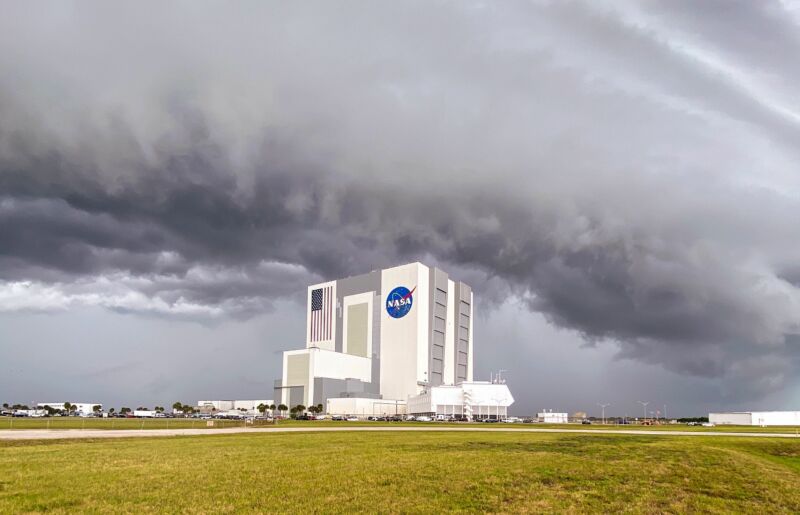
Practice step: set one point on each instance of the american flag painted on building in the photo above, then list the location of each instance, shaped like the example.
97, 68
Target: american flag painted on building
321, 314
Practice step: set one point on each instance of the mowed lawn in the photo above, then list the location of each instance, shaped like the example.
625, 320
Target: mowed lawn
401, 472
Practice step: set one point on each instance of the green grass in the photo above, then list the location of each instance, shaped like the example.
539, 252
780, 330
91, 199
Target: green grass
114, 423
426, 472
176, 423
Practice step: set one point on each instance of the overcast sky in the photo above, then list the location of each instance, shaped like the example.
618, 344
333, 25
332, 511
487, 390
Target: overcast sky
618, 181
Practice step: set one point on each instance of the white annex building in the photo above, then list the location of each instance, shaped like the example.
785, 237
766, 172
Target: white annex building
756, 418
375, 340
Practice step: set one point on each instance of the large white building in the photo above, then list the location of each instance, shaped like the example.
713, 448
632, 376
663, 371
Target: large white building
467, 400
756, 418
380, 338
83, 408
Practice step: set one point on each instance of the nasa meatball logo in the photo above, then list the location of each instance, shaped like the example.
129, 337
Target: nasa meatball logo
399, 301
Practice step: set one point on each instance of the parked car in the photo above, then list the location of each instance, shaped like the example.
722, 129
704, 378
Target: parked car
586, 422
338, 417
424, 418
352, 418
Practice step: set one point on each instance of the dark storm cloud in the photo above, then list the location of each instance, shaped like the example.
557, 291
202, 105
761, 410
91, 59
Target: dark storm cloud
626, 182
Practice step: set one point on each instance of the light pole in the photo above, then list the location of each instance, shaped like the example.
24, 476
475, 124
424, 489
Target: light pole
500, 374
666, 421
603, 406
644, 408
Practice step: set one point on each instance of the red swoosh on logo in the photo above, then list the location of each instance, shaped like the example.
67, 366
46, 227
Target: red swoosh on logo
407, 295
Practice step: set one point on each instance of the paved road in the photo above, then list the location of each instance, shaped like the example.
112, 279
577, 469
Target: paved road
53, 434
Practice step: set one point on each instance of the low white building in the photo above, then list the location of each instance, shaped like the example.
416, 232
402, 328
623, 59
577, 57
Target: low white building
548, 417
229, 405
756, 418
466, 400
83, 408
364, 407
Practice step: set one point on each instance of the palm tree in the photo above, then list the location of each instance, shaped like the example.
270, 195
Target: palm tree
282, 408
111, 411
68, 407
320, 408
178, 406
96, 408
261, 408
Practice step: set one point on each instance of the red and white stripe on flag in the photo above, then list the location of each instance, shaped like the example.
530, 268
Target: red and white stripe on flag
321, 314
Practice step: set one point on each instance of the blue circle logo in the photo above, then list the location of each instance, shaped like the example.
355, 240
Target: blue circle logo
399, 301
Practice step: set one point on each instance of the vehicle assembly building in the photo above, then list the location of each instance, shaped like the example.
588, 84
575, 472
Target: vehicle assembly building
375, 340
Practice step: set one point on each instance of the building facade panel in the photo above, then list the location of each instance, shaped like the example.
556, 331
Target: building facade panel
404, 354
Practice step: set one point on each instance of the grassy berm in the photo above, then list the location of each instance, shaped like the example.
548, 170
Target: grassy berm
402, 472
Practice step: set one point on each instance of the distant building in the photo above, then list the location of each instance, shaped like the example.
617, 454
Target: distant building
364, 407
229, 405
756, 418
548, 417
82, 408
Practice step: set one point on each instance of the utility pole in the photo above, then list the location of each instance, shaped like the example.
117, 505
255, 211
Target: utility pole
644, 408
603, 406
666, 421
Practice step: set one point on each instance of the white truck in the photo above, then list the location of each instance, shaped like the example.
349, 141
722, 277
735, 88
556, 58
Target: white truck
140, 413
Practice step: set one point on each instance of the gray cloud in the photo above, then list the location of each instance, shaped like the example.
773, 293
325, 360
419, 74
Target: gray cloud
627, 173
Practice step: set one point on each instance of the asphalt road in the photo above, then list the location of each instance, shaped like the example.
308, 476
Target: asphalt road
55, 434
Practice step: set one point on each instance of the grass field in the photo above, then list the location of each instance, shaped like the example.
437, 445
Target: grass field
402, 472
176, 423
